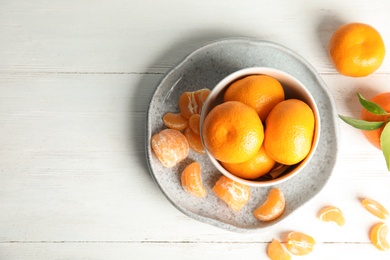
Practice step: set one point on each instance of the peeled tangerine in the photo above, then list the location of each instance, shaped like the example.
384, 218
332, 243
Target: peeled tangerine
273, 207
378, 236
375, 208
175, 121
331, 213
299, 243
191, 180
194, 123
194, 140
276, 251
235, 194
289, 132
170, 147
191, 102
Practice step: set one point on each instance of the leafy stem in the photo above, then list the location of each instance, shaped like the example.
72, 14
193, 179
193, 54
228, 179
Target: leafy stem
362, 124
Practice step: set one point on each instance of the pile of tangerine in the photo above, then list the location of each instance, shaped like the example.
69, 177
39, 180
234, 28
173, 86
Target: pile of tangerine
256, 128
251, 132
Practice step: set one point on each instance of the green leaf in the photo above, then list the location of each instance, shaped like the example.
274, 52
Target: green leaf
385, 144
361, 124
371, 106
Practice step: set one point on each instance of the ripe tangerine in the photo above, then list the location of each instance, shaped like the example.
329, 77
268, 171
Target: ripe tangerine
356, 49
261, 92
373, 136
232, 132
257, 166
289, 132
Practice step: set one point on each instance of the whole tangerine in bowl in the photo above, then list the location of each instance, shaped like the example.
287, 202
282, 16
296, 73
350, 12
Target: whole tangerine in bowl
228, 137
260, 148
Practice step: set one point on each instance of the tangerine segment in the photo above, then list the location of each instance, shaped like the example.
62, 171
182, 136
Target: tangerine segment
194, 141
273, 207
232, 132
276, 251
378, 236
235, 194
175, 121
194, 123
191, 102
373, 136
332, 213
170, 147
299, 243
191, 180
255, 167
289, 132
260, 92
375, 208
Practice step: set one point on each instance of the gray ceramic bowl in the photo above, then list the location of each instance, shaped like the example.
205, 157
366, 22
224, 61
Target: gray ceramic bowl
293, 88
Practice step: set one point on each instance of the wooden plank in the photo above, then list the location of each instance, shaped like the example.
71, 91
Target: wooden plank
145, 36
168, 251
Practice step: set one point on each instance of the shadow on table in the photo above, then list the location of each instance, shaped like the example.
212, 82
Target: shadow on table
327, 25
150, 79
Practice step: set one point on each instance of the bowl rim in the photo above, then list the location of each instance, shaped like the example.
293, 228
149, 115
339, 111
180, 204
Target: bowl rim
260, 70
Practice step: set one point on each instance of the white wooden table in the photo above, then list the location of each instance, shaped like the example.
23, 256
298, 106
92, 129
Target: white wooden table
76, 78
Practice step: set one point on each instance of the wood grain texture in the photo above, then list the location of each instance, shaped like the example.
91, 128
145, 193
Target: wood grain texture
167, 251
76, 78
144, 36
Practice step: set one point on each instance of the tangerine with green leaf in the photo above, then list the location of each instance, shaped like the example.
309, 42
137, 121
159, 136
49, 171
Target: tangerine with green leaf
373, 122
374, 136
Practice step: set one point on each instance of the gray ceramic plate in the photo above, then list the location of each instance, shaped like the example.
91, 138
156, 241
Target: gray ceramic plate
204, 68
